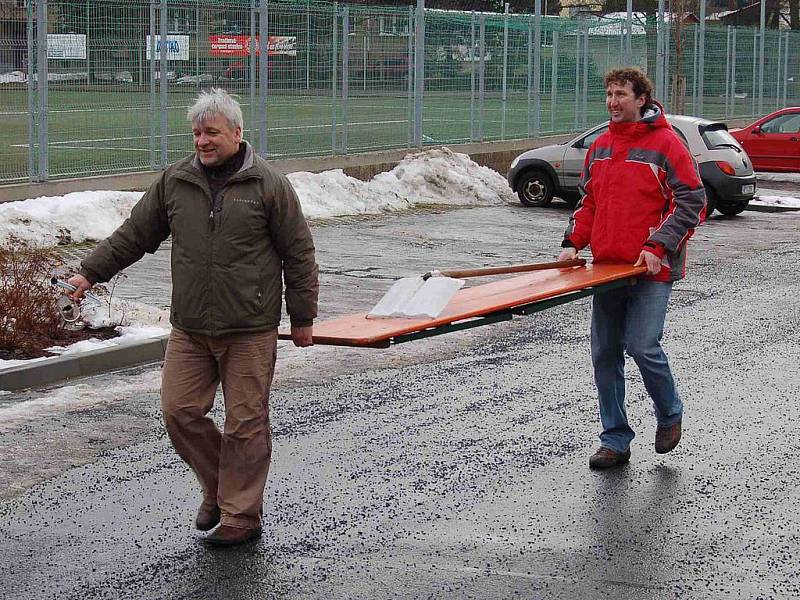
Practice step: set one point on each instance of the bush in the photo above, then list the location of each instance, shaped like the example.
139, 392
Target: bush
28, 320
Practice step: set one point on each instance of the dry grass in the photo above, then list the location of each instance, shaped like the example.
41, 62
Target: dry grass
28, 321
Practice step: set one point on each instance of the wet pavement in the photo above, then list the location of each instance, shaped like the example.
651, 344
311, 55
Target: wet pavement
453, 467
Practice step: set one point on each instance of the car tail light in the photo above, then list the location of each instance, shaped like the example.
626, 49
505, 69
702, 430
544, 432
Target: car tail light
726, 167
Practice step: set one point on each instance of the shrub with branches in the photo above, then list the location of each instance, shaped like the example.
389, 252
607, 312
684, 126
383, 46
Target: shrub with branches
27, 299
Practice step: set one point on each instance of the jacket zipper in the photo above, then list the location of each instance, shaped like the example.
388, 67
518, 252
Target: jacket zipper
212, 228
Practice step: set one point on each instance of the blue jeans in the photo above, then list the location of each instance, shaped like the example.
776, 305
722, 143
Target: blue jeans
631, 319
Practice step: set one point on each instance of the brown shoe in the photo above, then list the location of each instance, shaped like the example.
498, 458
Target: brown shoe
668, 437
207, 517
225, 535
605, 458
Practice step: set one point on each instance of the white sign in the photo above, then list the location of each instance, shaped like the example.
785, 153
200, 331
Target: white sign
71, 46
177, 47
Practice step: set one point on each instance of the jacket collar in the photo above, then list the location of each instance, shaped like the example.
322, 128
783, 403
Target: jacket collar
654, 118
190, 169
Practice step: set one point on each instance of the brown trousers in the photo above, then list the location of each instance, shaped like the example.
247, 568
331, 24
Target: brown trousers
231, 466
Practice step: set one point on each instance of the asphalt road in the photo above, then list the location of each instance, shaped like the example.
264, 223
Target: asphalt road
454, 467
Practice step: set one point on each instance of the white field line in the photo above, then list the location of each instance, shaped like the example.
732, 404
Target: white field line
66, 143
115, 148
324, 105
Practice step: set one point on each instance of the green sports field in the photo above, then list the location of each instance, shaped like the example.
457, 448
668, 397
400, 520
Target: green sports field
92, 132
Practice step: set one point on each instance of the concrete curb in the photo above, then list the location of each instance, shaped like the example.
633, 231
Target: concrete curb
63, 368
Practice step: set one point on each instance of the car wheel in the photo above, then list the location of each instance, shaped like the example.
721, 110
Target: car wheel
535, 188
732, 209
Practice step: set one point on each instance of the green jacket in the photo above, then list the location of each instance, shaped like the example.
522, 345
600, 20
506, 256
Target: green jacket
226, 266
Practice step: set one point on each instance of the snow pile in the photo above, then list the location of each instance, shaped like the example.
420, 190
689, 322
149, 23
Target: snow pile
790, 177
74, 218
138, 322
442, 176
437, 176
127, 335
124, 312
775, 198
333, 194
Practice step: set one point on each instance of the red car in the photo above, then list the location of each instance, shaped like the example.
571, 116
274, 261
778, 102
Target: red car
773, 142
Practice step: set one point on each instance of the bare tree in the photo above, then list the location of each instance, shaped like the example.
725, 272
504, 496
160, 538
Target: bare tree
678, 12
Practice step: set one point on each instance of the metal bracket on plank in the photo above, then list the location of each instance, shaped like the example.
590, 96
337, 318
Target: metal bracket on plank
507, 314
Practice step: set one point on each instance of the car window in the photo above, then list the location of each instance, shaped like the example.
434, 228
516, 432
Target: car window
716, 136
589, 139
789, 123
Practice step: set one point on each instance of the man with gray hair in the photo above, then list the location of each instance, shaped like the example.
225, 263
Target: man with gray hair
238, 233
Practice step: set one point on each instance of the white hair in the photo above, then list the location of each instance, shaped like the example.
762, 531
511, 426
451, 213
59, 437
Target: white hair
216, 102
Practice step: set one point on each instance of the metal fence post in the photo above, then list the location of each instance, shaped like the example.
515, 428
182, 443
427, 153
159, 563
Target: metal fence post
252, 50
530, 75
665, 72
578, 42
701, 61
152, 44
727, 71
88, 47
41, 74
755, 68
660, 51
31, 43
505, 75
584, 108
345, 73
163, 66
694, 72
197, 46
554, 81
786, 77
733, 71
778, 91
263, 75
308, 44
482, 77
628, 32
419, 71
472, 79
409, 75
334, 76
537, 69
762, 24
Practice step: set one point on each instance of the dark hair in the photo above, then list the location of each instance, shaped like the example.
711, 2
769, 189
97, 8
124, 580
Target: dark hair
642, 86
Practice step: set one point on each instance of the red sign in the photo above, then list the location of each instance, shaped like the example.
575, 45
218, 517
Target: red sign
239, 45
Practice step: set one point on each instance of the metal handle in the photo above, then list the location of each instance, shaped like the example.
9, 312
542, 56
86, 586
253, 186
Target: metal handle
559, 264
68, 286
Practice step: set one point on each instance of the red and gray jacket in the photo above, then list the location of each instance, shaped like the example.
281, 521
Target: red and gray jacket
640, 190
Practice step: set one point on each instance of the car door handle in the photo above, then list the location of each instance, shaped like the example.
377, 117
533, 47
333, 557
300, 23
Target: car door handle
794, 140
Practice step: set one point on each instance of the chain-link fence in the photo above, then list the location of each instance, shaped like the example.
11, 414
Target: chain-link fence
88, 87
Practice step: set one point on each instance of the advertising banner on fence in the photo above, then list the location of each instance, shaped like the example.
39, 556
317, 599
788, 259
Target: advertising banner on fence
70, 46
177, 47
239, 45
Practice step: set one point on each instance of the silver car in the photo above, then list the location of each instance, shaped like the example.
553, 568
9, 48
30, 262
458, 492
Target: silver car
725, 169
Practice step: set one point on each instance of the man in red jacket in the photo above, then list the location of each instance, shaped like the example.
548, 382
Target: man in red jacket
641, 198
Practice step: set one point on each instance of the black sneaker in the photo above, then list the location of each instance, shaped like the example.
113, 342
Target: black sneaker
605, 458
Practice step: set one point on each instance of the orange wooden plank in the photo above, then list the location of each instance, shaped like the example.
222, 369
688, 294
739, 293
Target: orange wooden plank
481, 300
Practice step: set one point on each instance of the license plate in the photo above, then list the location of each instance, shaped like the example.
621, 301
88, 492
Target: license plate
750, 188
